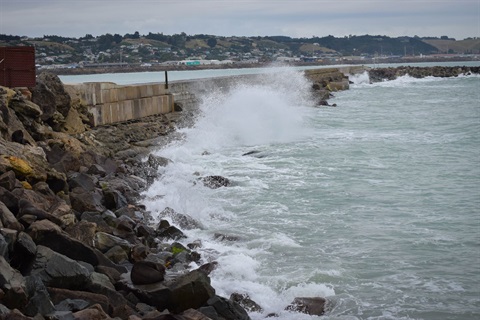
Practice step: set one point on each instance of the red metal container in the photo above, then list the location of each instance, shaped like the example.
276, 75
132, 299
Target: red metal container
17, 66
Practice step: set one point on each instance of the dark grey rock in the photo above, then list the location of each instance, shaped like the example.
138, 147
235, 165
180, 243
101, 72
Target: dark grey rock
228, 309
147, 272
13, 285
215, 182
311, 306
191, 290
39, 300
59, 271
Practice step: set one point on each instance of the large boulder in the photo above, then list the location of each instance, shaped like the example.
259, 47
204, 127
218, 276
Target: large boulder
50, 95
215, 182
191, 290
24, 251
47, 234
59, 271
311, 306
182, 220
147, 272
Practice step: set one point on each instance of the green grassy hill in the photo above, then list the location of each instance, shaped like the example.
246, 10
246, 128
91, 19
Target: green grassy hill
452, 46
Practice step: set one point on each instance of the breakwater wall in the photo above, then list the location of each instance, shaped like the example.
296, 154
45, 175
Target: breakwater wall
188, 92
108, 102
111, 103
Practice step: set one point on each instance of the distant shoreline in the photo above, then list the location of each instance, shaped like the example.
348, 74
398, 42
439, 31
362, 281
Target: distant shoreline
156, 68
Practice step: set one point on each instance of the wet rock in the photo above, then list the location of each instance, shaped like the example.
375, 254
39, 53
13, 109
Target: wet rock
215, 182
226, 237
311, 306
228, 309
156, 161
147, 272
246, 303
207, 268
191, 290
255, 153
171, 232
182, 220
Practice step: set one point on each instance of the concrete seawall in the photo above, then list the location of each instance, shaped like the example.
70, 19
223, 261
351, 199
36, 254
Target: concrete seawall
110, 103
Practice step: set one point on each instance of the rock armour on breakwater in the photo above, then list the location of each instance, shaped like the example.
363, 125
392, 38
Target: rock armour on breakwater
383, 74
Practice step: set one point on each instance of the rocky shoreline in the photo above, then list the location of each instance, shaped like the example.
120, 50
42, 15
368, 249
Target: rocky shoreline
75, 240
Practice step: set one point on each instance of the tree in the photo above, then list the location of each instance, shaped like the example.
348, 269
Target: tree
117, 38
212, 42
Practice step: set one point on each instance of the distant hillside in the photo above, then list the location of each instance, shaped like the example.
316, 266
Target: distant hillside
158, 48
451, 46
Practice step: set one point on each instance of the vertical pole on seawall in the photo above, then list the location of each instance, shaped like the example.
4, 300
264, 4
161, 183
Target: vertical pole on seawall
166, 79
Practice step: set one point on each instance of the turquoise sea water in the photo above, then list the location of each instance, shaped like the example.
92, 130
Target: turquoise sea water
374, 204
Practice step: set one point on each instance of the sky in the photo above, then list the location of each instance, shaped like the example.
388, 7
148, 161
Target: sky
457, 19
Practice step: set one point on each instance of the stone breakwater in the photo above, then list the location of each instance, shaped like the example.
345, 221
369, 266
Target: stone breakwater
383, 74
75, 240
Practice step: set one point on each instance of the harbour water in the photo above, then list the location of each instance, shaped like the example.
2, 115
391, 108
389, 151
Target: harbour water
374, 204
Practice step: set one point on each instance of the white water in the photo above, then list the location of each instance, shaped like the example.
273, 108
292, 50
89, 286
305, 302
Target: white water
373, 204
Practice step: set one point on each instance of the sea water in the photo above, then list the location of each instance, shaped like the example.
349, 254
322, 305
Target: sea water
373, 204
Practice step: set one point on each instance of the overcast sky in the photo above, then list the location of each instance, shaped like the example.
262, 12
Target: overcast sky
296, 18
